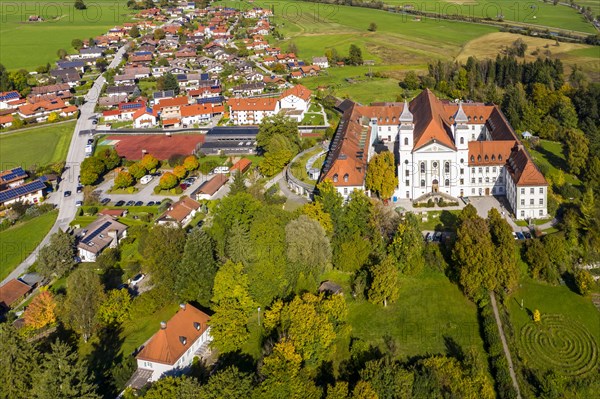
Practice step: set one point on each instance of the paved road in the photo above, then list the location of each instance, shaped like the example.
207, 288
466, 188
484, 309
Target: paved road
66, 205
511, 368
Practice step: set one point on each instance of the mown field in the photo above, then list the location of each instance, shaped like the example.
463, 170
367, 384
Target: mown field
37, 146
527, 12
17, 242
27, 45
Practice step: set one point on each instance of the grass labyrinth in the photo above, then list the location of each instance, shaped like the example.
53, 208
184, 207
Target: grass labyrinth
563, 344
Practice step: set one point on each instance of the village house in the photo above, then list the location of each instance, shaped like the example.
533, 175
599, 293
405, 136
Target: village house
210, 187
321, 62
180, 213
104, 232
172, 349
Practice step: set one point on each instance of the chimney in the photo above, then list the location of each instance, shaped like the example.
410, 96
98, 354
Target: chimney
163, 325
182, 306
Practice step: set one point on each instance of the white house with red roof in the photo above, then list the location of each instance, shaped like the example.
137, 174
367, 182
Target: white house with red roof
144, 118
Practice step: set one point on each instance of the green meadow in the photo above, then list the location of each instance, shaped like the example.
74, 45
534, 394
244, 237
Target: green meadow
526, 12
27, 45
37, 146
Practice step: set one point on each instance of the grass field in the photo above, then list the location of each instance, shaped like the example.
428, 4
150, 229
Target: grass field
527, 12
39, 146
27, 45
17, 242
568, 336
549, 155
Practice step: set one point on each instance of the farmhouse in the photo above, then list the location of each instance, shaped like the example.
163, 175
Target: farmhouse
104, 232
173, 348
442, 149
11, 293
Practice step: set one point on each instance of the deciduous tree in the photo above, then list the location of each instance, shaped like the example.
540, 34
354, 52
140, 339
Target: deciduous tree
407, 245
507, 273
229, 383
41, 311
381, 175
58, 257
137, 170
168, 180
384, 282
84, 296
149, 162
123, 179
114, 310
191, 163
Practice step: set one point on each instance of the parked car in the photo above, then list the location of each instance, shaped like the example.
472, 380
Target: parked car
139, 203
146, 179
520, 235
90, 141
105, 201
220, 169
515, 235
78, 203
120, 203
130, 203
427, 236
67, 194
136, 280
183, 186
150, 203
123, 286
437, 237
527, 234
79, 188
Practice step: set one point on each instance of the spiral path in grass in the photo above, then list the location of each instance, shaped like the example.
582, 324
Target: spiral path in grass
561, 344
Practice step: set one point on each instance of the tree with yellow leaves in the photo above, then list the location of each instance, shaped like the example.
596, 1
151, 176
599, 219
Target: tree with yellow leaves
537, 317
41, 311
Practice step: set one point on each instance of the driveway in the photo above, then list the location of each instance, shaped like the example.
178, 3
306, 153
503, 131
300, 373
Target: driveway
484, 204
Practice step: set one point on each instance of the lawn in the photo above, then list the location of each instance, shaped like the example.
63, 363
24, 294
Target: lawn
429, 310
550, 158
38, 146
568, 335
313, 119
27, 45
19, 241
136, 332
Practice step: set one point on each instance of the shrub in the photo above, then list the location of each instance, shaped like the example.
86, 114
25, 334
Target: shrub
430, 203
92, 210
157, 189
584, 281
131, 190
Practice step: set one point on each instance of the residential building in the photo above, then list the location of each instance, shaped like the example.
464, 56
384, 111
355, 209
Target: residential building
322, 62
104, 232
210, 187
180, 213
173, 348
31, 192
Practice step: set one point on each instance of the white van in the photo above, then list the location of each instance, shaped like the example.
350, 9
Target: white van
221, 170
146, 179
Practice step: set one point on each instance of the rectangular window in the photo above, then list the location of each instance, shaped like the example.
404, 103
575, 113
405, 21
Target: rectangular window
407, 194
500, 189
494, 169
532, 190
541, 201
472, 191
522, 191
541, 212
480, 170
522, 213
481, 180
522, 202
531, 202
472, 170
472, 180
462, 182
407, 172
487, 169
541, 190
407, 183
345, 190
462, 171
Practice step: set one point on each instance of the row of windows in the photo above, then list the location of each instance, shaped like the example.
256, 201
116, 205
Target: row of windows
487, 170
532, 190
487, 180
541, 213
335, 178
486, 158
532, 201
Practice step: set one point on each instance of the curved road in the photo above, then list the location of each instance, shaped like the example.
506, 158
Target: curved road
66, 205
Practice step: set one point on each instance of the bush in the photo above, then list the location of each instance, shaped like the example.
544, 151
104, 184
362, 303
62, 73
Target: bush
131, 190
584, 281
157, 189
92, 210
430, 203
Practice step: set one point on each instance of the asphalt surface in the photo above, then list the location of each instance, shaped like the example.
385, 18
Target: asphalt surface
66, 205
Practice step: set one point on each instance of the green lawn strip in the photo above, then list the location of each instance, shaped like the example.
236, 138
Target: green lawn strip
549, 156
39, 146
19, 241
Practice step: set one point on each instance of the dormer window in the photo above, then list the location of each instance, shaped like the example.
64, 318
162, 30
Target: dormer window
346, 178
486, 158
493, 157
183, 340
335, 178
499, 157
197, 326
472, 158
478, 158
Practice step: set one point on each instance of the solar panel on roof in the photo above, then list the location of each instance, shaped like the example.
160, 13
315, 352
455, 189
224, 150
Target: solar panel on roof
93, 234
14, 174
131, 106
19, 191
10, 96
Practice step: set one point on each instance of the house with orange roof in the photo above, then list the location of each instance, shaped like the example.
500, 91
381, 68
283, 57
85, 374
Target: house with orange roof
144, 118
251, 111
180, 213
443, 149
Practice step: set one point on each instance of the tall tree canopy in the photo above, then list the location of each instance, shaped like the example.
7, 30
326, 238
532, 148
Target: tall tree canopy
381, 175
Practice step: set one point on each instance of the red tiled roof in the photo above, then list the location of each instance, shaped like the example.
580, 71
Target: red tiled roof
253, 104
12, 291
430, 125
522, 169
299, 91
495, 152
181, 209
241, 165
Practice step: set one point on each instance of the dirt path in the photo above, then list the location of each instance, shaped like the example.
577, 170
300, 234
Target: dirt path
511, 368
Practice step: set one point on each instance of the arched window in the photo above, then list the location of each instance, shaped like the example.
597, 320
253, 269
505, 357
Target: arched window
447, 167
435, 165
422, 167
422, 183
486, 158
346, 178
335, 178
406, 141
447, 182
493, 157
462, 160
499, 157
462, 140
479, 158
472, 158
